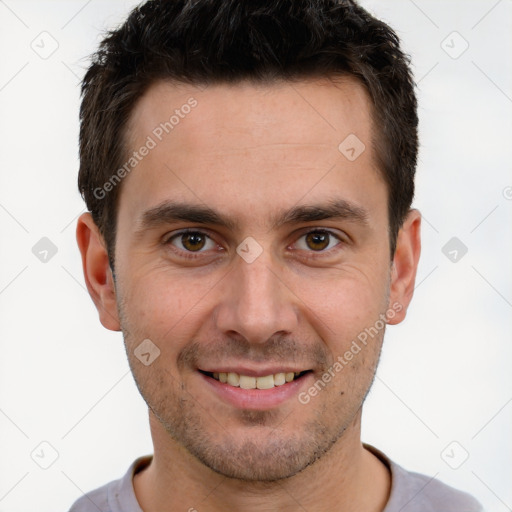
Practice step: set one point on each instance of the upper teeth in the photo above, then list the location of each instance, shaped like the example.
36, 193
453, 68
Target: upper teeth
247, 382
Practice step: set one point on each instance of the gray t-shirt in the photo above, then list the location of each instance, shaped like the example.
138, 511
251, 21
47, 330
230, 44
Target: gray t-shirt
410, 492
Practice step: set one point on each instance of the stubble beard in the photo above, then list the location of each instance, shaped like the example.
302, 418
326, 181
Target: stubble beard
265, 452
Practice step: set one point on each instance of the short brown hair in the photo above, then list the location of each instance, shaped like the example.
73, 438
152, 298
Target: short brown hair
226, 41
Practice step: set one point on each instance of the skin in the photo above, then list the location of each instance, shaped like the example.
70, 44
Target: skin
251, 152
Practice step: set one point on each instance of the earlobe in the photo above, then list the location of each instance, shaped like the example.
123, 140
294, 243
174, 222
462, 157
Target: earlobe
405, 265
97, 272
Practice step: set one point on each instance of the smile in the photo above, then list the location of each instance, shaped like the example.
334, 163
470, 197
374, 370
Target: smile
250, 382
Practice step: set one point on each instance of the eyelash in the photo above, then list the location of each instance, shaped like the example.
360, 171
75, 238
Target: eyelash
194, 255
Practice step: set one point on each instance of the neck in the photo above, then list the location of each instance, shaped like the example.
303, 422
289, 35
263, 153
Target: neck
348, 478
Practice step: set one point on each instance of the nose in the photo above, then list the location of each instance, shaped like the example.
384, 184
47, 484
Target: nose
255, 302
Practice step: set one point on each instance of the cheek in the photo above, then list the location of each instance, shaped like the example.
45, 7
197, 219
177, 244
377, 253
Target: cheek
345, 304
160, 301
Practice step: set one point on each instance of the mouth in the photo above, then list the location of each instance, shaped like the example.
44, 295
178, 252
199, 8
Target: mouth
242, 381
259, 390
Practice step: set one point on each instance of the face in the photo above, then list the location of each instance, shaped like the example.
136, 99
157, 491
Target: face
251, 248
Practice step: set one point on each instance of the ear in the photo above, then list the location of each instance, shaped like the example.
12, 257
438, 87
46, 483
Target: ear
97, 271
405, 265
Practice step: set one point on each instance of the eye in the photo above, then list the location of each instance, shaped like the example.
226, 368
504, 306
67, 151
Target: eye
191, 241
318, 240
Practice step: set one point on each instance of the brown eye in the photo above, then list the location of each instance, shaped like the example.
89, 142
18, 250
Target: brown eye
191, 241
317, 240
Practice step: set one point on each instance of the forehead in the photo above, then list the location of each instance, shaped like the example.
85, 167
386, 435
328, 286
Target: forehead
254, 143
322, 110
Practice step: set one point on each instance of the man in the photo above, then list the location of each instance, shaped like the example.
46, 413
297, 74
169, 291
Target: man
249, 171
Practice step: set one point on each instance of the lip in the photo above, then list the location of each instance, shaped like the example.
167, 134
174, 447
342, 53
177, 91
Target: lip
253, 372
256, 399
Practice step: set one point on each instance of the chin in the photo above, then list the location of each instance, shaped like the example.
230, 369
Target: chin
251, 462
259, 454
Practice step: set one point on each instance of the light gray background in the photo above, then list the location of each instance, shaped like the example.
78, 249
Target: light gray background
445, 373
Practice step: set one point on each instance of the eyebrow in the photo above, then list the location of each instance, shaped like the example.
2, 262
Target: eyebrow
170, 212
